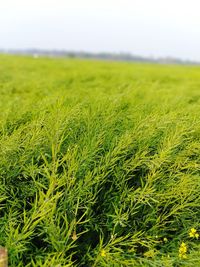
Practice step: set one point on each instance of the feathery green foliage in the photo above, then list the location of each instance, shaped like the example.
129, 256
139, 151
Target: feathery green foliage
99, 163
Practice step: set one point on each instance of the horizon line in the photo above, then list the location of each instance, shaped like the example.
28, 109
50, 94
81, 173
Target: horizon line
126, 56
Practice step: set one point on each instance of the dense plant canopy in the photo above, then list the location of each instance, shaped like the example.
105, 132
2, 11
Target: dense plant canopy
99, 163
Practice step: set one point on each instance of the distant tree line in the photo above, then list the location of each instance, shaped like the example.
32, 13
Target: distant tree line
102, 55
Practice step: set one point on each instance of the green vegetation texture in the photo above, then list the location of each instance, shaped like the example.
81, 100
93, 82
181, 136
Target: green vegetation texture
99, 163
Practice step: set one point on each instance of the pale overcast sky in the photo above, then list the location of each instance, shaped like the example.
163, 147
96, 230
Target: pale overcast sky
142, 27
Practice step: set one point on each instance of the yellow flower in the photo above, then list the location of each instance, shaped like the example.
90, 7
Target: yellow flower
165, 239
197, 235
103, 253
193, 233
183, 250
182, 256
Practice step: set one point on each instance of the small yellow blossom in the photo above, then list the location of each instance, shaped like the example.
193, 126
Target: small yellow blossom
182, 256
183, 250
193, 233
197, 235
103, 253
165, 239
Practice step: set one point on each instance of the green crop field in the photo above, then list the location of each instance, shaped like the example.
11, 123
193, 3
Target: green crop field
99, 163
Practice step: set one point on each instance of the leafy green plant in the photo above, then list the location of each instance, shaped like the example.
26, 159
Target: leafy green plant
99, 163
